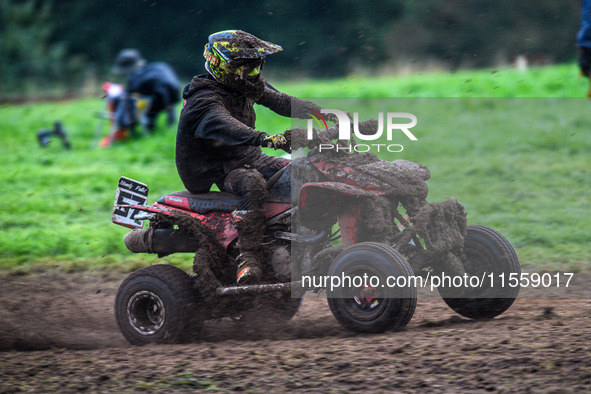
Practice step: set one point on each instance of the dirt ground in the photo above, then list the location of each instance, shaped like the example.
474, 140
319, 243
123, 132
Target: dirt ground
58, 333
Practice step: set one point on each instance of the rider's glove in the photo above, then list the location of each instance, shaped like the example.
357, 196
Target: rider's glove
585, 60
331, 118
276, 141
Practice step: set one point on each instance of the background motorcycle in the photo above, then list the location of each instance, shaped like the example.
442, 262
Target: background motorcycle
114, 94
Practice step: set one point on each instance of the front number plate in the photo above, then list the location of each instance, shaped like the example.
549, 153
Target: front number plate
129, 192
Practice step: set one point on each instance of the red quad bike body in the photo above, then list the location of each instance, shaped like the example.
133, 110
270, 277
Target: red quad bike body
329, 215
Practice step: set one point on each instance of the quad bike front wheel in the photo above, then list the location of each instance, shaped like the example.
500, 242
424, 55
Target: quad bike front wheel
489, 256
371, 301
157, 304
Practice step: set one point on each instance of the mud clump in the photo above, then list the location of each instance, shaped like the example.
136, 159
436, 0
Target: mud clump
206, 262
376, 221
442, 225
379, 192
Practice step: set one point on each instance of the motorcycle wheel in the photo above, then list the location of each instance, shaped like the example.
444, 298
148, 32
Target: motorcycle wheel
157, 304
372, 306
490, 256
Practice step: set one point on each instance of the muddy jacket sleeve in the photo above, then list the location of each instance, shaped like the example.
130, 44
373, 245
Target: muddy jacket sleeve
286, 105
218, 124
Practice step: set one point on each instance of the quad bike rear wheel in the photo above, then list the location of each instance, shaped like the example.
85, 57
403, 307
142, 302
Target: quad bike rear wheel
157, 304
488, 255
372, 305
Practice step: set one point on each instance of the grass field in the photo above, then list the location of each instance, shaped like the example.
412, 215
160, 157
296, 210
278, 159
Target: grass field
520, 165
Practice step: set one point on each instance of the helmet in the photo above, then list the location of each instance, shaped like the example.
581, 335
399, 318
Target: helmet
235, 58
128, 60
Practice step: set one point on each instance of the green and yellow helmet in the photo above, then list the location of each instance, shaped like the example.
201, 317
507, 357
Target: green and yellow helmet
235, 58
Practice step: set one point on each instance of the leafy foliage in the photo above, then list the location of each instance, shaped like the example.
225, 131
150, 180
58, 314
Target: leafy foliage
31, 59
64, 41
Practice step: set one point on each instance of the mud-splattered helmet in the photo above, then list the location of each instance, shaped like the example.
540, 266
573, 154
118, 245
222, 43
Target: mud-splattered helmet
235, 58
128, 60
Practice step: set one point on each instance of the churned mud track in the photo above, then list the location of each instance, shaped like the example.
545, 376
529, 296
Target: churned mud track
58, 333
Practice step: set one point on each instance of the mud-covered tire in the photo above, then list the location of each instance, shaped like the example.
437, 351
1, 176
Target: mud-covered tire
157, 304
372, 307
489, 255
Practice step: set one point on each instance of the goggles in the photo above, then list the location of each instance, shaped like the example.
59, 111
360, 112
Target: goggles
243, 71
242, 67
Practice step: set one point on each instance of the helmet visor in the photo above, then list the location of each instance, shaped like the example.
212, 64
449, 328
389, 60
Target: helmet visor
245, 70
249, 71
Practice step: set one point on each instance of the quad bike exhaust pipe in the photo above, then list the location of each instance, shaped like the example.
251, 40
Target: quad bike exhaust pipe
168, 241
162, 241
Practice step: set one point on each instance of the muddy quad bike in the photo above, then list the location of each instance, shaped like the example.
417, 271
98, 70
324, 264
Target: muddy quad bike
351, 217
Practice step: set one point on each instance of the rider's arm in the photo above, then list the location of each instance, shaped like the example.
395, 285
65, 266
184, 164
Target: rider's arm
218, 124
287, 105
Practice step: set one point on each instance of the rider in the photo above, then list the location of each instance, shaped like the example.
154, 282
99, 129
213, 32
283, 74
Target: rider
584, 40
155, 80
217, 142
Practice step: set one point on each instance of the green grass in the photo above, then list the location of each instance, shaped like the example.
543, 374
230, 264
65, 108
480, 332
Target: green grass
556, 81
519, 166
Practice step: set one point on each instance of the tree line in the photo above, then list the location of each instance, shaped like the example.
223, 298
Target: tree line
46, 43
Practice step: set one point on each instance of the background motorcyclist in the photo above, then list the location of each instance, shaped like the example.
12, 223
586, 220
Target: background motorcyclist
584, 40
156, 80
217, 142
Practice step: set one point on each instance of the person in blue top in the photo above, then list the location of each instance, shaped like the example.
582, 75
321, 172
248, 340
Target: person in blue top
584, 38
155, 80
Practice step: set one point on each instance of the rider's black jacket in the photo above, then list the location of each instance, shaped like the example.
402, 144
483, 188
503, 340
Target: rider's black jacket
216, 130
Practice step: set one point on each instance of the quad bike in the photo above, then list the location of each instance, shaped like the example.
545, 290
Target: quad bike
114, 95
350, 216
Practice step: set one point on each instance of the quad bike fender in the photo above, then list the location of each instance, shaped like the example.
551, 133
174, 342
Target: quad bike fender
312, 192
321, 204
220, 223
343, 173
166, 241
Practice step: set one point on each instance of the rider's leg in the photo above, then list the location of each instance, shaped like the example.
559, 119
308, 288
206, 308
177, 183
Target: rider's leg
250, 221
269, 165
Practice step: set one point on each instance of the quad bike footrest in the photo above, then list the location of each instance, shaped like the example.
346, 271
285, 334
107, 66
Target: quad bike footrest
258, 289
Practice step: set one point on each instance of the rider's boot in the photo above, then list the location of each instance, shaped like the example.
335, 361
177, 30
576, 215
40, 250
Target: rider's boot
251, 229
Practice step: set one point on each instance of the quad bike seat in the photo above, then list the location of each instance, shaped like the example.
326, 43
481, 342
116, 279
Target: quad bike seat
202, 203
279, 187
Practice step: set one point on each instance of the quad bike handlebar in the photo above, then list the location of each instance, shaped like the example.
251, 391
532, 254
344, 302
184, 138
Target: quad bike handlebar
299, 138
